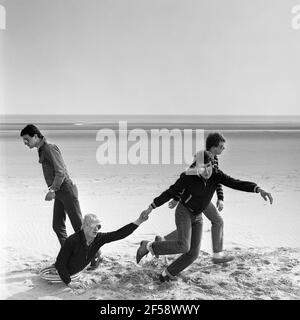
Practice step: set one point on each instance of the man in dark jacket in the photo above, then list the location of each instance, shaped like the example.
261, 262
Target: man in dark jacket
215, 144
198, 184
80, 247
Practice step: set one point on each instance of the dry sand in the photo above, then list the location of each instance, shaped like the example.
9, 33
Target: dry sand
260, 274
264, 239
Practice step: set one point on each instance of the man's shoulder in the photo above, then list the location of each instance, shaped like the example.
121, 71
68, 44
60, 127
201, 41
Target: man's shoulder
190, 176
75, 237
50, 146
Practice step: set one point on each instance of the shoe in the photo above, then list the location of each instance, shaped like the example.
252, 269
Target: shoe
95, 261
222, 259
158, 238
142, 251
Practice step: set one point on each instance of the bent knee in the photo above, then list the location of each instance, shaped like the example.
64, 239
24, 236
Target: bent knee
183, 246
218, 221
193, 255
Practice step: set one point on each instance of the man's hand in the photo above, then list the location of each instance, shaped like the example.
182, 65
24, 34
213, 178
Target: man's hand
144, 216
219, 205
50, 196
173, 204
149, 209
265, 195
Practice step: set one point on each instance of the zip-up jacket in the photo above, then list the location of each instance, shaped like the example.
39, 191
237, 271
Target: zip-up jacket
198, 192
75, 254
219, 189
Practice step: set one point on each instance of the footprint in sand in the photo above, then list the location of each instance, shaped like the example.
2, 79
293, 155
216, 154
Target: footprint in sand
248, 284
237, 248
284, 269
242, 266
238, 273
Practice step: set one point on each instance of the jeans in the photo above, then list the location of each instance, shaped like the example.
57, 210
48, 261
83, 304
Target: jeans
189, 233
217, 226
66, 201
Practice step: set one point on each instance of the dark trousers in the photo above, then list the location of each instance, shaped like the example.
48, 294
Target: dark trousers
189, 234
66, 202
217, 227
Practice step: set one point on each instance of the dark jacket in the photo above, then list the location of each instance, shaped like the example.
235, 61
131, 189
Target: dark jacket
198, 192
54, 168
75, 254
219, 190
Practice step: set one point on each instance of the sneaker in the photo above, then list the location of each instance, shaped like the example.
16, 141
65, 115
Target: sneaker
95, 261
158, 238
142, 251
222, 259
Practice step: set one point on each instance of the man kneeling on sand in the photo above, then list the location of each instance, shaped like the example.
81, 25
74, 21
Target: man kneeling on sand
79, 249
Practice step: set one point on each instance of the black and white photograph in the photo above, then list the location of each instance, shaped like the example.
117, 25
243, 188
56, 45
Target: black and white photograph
150, 150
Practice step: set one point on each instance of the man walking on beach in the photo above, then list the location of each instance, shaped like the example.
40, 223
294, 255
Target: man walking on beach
198, 185
215, 144
61, 187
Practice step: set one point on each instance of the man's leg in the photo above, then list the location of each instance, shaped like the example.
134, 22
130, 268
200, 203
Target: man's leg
189, 257
69, 198
180, 245
171, 236
217, 234
59, 221
216, 227
184, 230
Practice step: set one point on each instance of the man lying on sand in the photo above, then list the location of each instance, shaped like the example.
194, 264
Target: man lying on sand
80, 247
215, 144
199, 184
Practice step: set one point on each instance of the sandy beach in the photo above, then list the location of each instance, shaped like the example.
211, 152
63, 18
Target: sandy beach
264, 239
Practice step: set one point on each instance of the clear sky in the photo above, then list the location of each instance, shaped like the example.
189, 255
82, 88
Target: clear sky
150, 57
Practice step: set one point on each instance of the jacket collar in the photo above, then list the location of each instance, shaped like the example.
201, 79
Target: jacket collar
41, 143
82, 238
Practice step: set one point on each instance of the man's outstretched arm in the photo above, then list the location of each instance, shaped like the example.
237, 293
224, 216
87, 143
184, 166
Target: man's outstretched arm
241, 185
122, 232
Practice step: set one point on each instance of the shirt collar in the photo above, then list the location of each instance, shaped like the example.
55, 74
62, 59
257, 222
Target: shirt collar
41, 143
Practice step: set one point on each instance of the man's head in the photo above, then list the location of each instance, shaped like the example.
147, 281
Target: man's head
91, 225
215, 143
31, 135
203, 164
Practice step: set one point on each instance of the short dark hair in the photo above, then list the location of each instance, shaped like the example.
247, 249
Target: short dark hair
214, 139
31, 130
206, 156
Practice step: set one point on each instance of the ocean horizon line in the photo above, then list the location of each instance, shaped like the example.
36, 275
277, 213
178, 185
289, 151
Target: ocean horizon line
206, 122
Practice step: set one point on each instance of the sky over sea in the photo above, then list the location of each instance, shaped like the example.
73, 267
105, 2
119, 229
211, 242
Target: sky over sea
191, 57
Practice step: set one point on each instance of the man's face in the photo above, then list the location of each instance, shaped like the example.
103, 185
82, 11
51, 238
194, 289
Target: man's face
29, 141
205, 170
92, 229
220, 148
